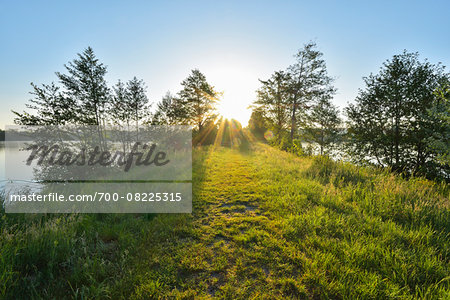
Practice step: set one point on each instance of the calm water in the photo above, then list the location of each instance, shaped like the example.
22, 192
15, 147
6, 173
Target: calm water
2, 162
19, 173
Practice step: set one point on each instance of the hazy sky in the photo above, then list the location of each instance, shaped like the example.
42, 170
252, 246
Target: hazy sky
232, 42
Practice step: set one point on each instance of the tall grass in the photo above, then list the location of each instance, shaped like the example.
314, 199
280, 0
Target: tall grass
65, 256
365, 232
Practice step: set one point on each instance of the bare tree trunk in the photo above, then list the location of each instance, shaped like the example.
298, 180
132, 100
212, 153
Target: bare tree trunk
321, 142
293, 120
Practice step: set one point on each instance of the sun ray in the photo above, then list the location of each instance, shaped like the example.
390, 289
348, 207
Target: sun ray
218, 140
198, 140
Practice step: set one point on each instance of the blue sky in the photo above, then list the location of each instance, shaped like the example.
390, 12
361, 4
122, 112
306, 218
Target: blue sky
232, 42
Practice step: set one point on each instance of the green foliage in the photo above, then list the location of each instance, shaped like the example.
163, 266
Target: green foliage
50, 105
257, 124
309, 81
129, 103
85, 85
169, 111
294, 146
137, 101
198, 99
439, 137
283, 99
231, 133
119, 109
194, 105
272, 102
83, 97
284, 143
389, 125
297, 148
323, 126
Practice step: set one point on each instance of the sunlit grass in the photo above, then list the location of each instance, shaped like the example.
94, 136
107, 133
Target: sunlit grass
265, 224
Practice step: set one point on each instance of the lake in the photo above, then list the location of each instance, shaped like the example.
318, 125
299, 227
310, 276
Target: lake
2, 162
20, 173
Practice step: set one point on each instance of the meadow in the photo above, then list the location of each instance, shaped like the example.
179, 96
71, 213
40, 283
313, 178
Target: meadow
265, 224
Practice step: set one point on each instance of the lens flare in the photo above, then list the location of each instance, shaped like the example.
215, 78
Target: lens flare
268, 135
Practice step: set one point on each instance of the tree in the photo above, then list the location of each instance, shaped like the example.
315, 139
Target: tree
83, 97
257, 123
439, 137
85, 85
50, 106
169, 111
323, 124
119, 113
119, 105
198, 99
137, 102
308, 80
287, 95
272, 101
389, 124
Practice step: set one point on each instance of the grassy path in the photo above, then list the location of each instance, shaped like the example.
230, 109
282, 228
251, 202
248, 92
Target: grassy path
232, 247
268, 225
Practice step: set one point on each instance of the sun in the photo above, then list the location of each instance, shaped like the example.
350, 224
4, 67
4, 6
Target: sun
226, 110
232, 109
237, 94
237, 80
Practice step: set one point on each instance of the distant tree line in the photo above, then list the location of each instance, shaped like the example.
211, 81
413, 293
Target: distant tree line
82, 96
400, 120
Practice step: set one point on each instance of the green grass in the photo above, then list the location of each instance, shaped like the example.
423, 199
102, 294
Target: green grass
265, 224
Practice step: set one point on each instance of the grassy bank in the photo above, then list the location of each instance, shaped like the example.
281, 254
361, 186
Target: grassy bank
265, 224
